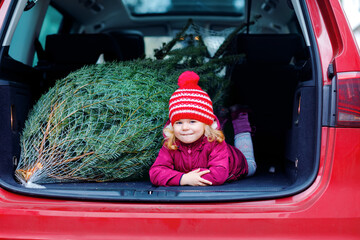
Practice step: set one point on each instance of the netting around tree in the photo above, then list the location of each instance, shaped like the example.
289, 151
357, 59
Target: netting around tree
212, 39
86, 127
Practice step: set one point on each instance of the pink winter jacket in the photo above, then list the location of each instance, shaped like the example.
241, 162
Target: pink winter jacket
225, 162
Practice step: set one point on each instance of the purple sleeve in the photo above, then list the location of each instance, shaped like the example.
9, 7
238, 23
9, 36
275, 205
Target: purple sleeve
162, 172
218, 164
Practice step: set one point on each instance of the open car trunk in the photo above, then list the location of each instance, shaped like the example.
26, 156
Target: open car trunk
278, 81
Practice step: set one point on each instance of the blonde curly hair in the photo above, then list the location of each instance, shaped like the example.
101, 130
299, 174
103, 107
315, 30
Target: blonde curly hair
211, 132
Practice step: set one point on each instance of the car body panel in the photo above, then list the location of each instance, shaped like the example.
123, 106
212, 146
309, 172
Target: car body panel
337, 46
328, 209
325, 209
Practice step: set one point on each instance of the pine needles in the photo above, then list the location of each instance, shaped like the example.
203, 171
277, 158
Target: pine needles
95, 124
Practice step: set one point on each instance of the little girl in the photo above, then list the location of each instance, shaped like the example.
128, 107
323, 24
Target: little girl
194, 152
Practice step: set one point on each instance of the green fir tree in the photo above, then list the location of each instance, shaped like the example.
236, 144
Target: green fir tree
104, 122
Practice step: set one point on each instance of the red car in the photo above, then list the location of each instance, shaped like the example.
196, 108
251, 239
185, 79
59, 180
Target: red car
300, 76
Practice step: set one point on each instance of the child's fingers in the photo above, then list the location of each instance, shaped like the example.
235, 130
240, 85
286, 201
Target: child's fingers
204, 172
206, 182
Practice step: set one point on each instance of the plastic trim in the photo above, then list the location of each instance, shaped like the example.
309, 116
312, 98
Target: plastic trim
13, 22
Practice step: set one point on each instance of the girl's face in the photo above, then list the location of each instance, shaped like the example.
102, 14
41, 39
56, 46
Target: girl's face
188, 130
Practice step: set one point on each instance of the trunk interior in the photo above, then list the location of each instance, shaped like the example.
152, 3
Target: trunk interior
277, 81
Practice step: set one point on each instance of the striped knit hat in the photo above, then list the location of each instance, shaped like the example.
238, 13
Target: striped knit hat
190, 101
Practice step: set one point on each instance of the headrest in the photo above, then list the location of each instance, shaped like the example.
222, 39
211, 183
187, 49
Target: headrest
131, 43
270, 48
81, 48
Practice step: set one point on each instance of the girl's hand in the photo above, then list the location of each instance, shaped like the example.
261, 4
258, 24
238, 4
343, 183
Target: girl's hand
194, 178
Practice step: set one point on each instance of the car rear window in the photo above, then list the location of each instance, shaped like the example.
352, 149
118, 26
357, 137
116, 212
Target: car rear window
189, 7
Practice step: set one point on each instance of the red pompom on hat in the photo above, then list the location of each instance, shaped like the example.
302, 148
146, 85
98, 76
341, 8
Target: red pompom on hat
190, 101
189, 79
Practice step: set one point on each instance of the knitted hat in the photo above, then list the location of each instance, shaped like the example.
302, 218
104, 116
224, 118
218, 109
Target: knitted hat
190, 101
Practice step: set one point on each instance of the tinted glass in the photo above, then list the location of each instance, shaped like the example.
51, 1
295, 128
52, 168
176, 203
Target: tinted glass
185, 7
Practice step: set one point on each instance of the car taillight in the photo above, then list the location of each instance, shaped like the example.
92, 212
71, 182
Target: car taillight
348, 99
4, 5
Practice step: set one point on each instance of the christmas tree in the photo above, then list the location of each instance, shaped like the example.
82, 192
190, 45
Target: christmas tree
104, 122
